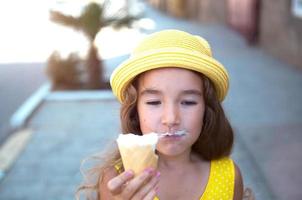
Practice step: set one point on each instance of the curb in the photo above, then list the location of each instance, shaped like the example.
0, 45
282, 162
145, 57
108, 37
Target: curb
16, 142
20, 117
87, 95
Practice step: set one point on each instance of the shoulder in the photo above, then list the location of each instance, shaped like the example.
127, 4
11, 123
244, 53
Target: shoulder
224, 164
238, 189
109, 173
229, 168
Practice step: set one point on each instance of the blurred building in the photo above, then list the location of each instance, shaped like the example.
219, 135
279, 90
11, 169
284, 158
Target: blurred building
275, 25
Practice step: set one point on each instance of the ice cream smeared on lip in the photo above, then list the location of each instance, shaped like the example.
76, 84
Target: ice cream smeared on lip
177, 133
138, 152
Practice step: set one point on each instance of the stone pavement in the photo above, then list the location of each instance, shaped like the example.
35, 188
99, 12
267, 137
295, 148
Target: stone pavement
263, 106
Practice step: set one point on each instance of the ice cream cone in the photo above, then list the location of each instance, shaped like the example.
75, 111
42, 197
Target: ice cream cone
138, 152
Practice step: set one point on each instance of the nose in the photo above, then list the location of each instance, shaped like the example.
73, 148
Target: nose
170, 116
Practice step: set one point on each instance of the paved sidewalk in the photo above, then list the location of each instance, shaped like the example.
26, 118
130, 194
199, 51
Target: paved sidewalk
263, 106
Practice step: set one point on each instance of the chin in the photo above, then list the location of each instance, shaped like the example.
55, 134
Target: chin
169, 151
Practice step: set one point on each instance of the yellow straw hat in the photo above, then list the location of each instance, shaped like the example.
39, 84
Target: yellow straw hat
170, 48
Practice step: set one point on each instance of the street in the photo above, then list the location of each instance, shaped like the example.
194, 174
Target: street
17, 83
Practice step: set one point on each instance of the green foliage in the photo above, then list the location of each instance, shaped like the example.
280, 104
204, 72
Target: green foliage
91, 20
66, 20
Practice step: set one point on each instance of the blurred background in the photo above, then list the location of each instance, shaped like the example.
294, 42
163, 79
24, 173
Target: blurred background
56, 106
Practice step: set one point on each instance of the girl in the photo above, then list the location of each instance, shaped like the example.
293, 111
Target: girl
172, 83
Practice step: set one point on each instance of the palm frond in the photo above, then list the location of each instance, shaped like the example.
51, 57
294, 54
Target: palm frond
90, 20
66, 20
118, 22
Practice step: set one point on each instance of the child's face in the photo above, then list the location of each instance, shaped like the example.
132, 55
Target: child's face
169, 100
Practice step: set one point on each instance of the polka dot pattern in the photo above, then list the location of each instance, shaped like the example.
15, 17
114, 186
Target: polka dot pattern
221, 181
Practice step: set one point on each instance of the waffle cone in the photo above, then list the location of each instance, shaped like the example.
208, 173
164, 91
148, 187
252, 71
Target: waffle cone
138, 157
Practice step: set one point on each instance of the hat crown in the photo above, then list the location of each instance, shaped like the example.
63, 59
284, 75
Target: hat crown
170, 48
173, 39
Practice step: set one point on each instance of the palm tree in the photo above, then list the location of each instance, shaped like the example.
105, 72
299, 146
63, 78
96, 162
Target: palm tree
90, 22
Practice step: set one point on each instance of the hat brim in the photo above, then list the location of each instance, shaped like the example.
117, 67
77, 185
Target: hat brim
171, 57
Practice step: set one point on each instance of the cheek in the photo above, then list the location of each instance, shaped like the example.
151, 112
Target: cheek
146, 123
145, 119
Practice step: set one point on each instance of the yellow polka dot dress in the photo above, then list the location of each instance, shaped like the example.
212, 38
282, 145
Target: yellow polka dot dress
221, 181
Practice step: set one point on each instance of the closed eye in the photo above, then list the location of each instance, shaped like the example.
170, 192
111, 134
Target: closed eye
188, 103
154, 103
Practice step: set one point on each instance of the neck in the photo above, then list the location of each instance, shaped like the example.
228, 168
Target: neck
175, 162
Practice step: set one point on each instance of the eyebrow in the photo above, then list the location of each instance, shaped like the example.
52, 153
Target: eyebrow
184, 92
192, 92
150, 91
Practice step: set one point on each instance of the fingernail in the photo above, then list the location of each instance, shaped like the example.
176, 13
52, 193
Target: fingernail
149, 170
129, 174
157, 175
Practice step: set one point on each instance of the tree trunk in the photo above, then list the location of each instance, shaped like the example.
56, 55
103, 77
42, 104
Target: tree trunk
95, 69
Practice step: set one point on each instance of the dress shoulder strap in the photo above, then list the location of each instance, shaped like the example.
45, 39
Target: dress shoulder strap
118, 165
221, 180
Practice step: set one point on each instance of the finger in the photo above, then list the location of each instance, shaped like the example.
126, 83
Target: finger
151, 195
115, 184
137, 183
147, 188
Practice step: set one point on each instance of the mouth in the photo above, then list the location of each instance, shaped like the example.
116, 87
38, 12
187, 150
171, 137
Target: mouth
174, 134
